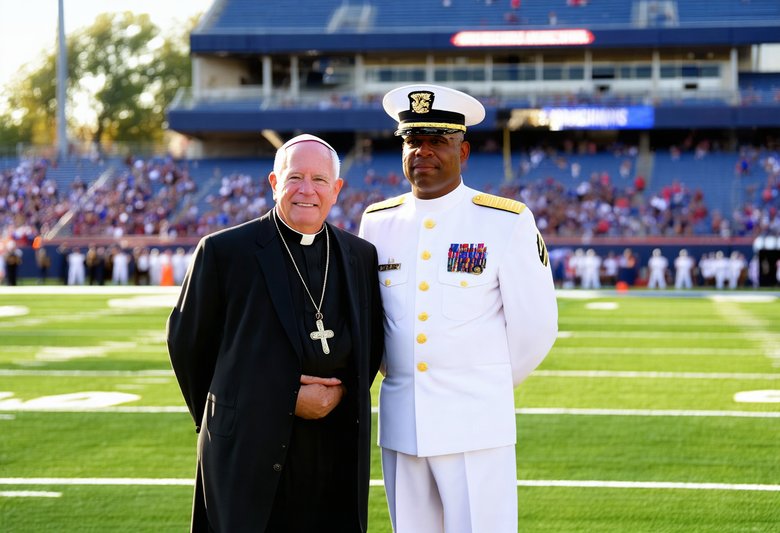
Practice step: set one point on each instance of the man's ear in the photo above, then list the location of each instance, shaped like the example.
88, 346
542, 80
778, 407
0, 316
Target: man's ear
465, 150
272, 181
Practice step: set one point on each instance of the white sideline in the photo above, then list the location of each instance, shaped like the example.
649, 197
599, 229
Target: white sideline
627, 374
644, 412
29, 494
523, 411
379, 483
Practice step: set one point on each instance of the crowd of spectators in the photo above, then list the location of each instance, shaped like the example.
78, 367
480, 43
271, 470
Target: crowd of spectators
141, 199
160, 198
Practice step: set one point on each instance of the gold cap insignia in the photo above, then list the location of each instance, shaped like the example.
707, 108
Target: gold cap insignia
421, 102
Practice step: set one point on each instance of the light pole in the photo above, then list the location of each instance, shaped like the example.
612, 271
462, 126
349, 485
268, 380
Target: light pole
62, 80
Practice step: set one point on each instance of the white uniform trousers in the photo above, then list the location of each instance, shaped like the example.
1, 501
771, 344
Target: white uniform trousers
471, 492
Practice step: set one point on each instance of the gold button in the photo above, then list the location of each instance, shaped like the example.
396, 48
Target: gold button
464, 283
430, 224
424, 286
426, 255
422, 367
423, 316
387, 283
421, 338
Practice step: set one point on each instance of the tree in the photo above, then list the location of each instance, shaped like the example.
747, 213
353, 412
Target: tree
121, 77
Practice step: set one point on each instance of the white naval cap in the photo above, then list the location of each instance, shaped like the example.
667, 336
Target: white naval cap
426, 109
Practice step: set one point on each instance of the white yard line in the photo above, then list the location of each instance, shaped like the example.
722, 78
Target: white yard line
522, 411
651, 375
645, 412
607, 350
29, 494
538, 373
637, 412
103, 481
54, 290
167, 482
87, 373
626, 374
758, 335
645, 485
150, 409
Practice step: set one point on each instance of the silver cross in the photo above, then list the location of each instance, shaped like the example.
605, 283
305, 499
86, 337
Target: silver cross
322, 335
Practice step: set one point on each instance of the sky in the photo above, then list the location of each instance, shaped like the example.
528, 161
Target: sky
28, 28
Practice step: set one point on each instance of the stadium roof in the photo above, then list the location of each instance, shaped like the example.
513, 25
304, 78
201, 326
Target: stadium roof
270, 26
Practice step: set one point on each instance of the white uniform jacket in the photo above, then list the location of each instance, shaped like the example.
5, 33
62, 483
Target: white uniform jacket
461, 332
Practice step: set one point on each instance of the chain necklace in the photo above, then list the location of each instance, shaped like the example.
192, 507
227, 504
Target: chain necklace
321, 334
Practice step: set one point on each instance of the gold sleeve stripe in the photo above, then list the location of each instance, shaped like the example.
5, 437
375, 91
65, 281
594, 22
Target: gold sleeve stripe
497, 202
386, 204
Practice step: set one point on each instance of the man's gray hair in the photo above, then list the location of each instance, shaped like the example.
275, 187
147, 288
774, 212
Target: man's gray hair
281, 153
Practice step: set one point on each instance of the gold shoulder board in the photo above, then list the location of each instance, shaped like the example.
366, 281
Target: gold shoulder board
386, 204
497, 202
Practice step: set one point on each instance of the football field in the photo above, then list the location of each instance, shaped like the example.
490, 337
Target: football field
654, 412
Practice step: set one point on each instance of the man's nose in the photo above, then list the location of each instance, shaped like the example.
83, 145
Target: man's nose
306, 185
424, 148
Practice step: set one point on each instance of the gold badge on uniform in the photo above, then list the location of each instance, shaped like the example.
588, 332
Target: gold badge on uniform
390, 265
467, 257
542, 250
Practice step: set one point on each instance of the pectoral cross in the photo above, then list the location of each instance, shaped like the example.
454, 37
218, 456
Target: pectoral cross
322, 335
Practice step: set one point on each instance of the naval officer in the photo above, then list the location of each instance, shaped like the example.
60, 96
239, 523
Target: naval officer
469, 312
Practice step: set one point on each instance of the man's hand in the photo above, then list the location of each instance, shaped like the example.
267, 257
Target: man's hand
318, 396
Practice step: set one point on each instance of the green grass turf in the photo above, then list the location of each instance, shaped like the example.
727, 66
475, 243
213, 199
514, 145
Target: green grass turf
60, 344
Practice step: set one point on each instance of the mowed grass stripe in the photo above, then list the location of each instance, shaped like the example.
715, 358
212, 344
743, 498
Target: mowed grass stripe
536, 374
645, 351
380, 483
700, 336
650, 375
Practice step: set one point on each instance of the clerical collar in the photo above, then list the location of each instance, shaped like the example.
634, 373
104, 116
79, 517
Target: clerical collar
307, 239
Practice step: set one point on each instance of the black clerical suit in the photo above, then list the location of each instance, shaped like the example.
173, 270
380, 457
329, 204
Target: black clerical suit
236, 342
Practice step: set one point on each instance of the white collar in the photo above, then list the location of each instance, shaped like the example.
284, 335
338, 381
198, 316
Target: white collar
441, 203
306, 238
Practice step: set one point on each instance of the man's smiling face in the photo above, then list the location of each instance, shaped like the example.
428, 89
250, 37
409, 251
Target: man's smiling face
306, 188
432, 163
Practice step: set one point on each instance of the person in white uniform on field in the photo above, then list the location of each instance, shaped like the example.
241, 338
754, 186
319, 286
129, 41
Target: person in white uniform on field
120, 273
736, 265
683, 267
610, 268
470, 311
591, 270
720, 266
76, 268
657, 266
180, 264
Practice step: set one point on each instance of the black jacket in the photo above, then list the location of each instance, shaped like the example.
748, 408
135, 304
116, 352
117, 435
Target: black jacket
235, 349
